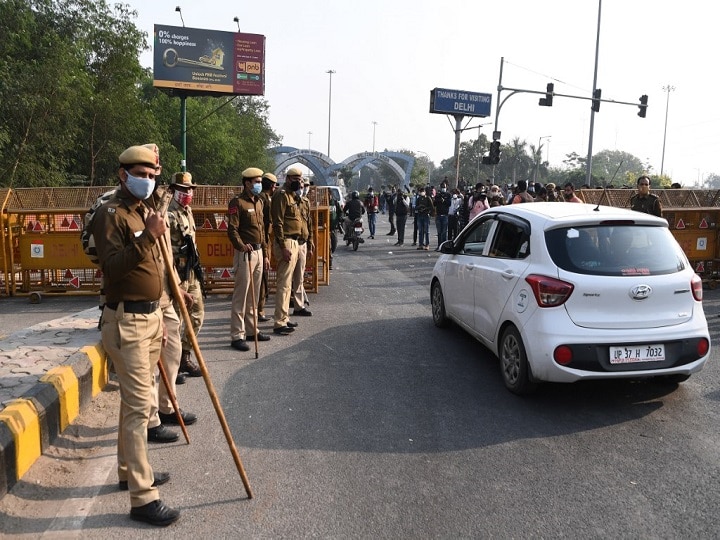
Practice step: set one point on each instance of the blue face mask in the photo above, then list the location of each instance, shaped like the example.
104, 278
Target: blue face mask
140, 188
256, 188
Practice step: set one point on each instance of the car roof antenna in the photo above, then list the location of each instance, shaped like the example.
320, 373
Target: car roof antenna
597, 208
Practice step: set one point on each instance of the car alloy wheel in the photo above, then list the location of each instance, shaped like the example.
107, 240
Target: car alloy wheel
438, 306
514, 364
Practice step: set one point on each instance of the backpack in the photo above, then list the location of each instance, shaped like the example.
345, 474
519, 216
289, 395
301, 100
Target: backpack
86, 236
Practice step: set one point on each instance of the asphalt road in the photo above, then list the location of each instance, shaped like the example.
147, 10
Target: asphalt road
368, 422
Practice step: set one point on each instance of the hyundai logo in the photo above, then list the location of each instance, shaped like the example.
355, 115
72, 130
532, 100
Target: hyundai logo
640, 292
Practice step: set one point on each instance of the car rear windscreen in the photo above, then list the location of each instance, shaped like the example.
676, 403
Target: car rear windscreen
615, 250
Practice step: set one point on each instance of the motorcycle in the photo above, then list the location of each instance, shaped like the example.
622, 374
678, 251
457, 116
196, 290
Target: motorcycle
353, 234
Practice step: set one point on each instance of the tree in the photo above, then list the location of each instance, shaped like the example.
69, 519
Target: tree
73, 95
42, 85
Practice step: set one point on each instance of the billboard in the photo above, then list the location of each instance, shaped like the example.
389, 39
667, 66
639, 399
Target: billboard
460, 102
209, 61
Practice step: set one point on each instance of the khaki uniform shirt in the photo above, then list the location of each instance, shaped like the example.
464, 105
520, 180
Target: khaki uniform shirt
285, 215
306, 234
181, 222
245, 221
266, 198
650, 204
130, 258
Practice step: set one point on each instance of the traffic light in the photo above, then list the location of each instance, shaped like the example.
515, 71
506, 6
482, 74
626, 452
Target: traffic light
547, 100
494, 152
643, 106
596, 100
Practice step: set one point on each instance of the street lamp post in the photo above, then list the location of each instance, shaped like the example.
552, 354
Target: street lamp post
537, 167
237, 20
177, 8
667, 89
329, 72
374, 123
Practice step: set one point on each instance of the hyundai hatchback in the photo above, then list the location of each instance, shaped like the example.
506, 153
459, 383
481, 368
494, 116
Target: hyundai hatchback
562, 292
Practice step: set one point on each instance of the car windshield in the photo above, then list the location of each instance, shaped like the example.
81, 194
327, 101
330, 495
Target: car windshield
615, 250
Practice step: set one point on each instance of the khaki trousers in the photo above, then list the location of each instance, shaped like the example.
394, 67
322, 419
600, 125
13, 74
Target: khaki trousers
298, 278
170, 357
283, 281
197, 311
133, 343
242, 314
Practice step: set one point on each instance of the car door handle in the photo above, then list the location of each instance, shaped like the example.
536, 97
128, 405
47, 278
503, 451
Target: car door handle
508, 274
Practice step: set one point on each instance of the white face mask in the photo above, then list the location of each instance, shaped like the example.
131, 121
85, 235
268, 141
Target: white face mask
140, 188
305, 191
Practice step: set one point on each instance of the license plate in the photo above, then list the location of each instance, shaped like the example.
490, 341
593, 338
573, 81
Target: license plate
358, 230
637, 353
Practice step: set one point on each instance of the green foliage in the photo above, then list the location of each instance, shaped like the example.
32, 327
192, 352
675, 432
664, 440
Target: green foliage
73, 95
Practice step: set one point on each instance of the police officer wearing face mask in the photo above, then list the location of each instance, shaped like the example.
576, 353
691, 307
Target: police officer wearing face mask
127, 233
286, 218
186, 258
246, 231
269, 184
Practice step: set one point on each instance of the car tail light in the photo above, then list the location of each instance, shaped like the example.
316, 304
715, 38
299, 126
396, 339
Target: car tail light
563, 355
703, 347
697, 290
549, 292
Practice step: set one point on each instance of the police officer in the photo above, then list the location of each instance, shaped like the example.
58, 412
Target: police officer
246, 231
643, 200
305, 247
185, 256
127, 234
269, 183
286, 220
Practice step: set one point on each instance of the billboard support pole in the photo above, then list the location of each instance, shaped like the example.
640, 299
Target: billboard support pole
183, 131
458, 131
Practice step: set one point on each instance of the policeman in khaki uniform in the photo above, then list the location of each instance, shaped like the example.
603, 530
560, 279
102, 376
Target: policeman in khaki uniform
185, 256
246, 231
269, 183
305, 247
286, 217
643, 200
126, 234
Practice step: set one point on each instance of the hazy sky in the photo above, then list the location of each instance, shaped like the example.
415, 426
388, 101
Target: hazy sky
389, 54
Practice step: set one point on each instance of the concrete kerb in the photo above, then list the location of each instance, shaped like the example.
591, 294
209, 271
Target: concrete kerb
31, 422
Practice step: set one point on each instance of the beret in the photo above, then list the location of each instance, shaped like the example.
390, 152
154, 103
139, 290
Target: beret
183, 179
294, 171
270, 176
251, 172
136, 155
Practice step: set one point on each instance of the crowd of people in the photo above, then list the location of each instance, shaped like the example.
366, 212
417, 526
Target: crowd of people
453, 209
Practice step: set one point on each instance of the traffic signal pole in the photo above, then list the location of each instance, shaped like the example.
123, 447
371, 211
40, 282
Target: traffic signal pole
596, 104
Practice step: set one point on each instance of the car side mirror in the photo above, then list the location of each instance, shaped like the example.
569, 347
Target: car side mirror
447, 247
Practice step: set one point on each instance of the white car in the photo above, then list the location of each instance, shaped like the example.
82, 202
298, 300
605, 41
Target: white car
565, 291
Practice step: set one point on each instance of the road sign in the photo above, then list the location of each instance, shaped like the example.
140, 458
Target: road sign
445, 101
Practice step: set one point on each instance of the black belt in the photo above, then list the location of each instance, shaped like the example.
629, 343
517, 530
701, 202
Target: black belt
301, 242
292, 237
256, 247
135, 307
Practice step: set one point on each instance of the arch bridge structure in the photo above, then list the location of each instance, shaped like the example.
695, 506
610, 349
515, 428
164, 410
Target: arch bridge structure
326, 171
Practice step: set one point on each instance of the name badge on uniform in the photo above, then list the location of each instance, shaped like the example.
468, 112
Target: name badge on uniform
251, 210
137, 234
